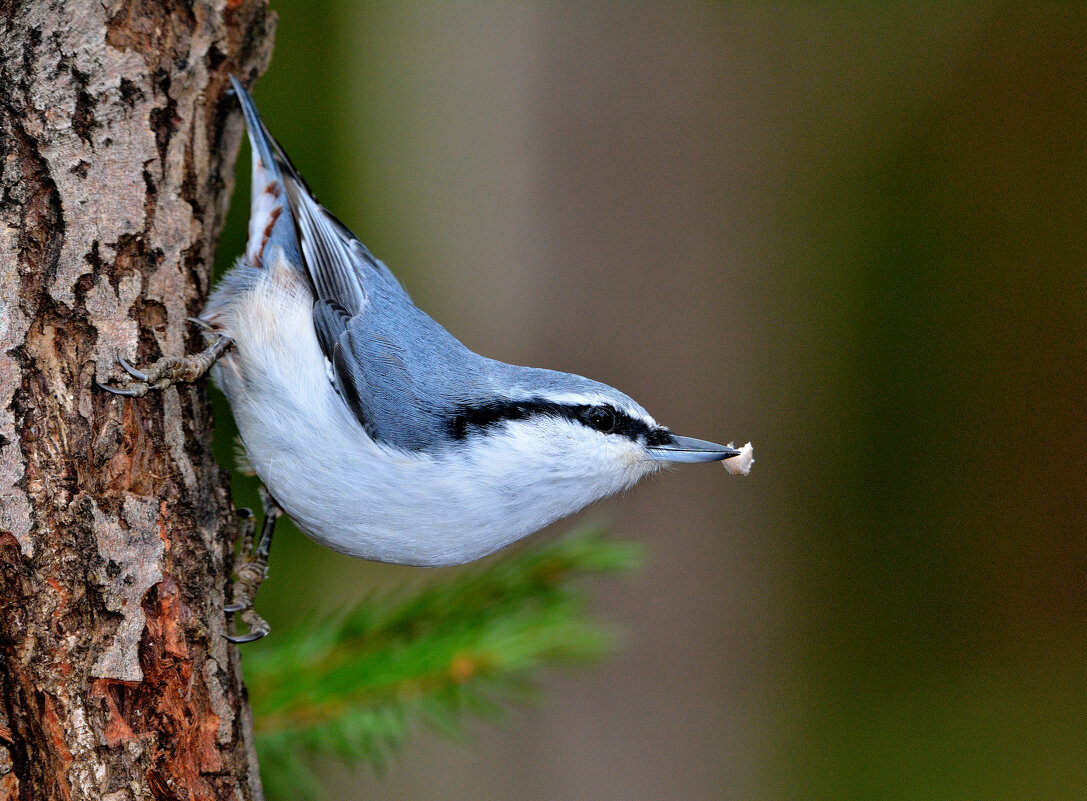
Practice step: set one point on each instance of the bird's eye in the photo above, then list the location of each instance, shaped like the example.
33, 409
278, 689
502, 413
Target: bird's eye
601, 418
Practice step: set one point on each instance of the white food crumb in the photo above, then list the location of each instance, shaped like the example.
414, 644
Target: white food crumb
740, 465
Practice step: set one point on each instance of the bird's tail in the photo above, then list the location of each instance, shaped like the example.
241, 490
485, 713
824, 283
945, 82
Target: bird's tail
259, 137
275, 185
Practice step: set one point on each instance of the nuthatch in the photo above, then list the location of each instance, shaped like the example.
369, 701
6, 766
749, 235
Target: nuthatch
379, 433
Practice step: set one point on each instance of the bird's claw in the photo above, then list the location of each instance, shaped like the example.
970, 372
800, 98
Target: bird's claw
168, 370
139, 375
258, 627
250, 576
124, 392
162, 374
253, 569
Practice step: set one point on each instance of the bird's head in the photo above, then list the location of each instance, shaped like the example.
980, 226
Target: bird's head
568, 437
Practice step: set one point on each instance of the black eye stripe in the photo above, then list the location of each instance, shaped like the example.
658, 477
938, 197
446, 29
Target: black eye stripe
602, 418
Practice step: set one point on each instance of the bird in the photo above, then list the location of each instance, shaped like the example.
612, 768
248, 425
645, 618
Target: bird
373, 428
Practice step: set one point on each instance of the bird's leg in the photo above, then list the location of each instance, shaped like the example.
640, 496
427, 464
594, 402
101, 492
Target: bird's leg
253, 570
169, 370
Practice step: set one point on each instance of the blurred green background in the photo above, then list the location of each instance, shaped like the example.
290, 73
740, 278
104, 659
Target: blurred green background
855, 235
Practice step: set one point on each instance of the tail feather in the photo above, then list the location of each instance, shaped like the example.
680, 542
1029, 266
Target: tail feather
259, 137
271, 217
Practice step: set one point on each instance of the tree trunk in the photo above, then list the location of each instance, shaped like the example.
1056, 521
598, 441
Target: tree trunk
117, 142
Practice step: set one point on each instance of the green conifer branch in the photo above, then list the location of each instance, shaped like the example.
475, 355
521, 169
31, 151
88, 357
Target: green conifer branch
353, 687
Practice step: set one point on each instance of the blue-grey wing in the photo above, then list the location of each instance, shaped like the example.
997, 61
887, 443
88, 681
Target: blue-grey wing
341, 268
399, 372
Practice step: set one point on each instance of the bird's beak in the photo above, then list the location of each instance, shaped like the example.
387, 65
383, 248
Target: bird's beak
685, 449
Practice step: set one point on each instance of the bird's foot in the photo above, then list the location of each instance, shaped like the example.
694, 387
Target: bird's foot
169, 370
258, 627
251, 574
253, 570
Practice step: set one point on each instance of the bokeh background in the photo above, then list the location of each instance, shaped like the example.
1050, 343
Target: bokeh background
855, 235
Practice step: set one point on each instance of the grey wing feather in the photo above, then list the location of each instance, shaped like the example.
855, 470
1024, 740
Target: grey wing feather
336, 261
341, 268
330, 320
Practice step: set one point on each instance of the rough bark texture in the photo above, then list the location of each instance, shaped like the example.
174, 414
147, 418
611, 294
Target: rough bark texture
117, 142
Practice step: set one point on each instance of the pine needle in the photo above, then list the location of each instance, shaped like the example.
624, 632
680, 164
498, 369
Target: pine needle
354, 686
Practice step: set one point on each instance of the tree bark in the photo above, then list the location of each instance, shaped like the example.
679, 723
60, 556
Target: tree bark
117, 145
